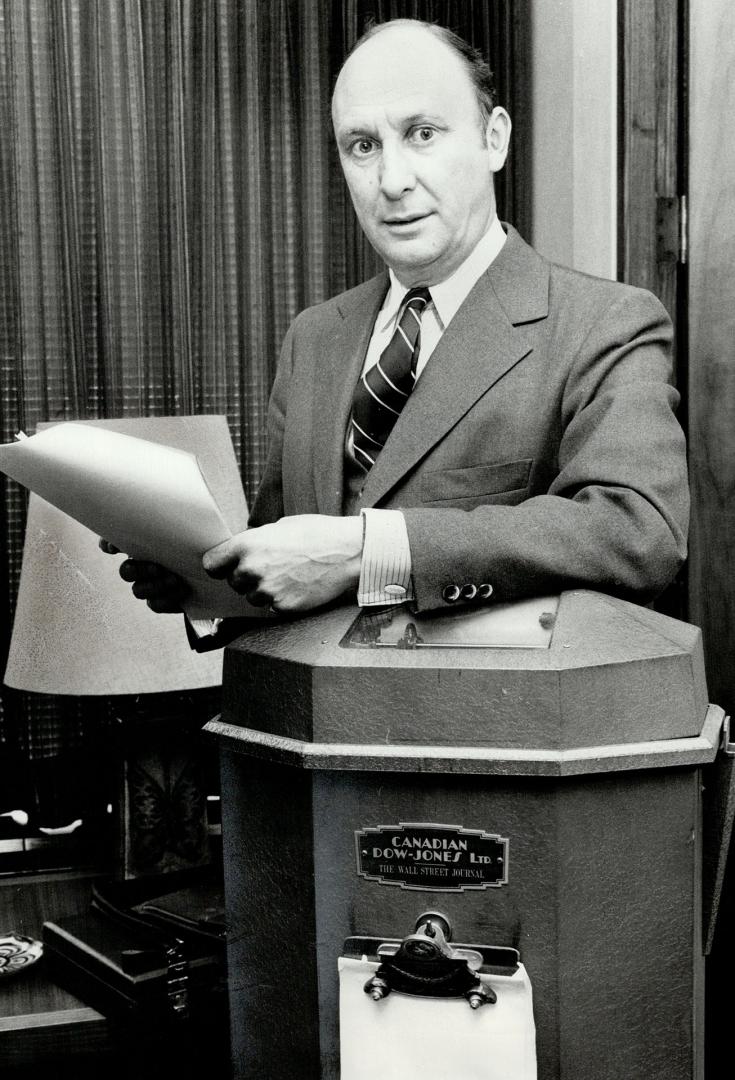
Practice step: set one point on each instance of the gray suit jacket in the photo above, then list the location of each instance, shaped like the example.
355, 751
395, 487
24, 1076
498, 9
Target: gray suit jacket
539, 450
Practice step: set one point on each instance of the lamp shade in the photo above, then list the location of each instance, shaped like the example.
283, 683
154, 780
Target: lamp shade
78, 629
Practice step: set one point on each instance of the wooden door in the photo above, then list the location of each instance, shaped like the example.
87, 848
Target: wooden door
711, 379
712, 340
652, 203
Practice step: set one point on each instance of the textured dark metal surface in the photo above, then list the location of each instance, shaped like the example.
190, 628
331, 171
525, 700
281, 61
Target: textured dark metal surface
603, 896
614, 673
488, 760
601, 901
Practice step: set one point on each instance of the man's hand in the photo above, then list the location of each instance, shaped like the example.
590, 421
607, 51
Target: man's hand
294, 564
162, 590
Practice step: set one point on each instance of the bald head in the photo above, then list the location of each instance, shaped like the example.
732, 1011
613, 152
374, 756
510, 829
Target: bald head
475, 65
397, 60
418, 153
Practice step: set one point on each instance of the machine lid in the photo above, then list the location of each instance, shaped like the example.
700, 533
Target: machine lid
602, 673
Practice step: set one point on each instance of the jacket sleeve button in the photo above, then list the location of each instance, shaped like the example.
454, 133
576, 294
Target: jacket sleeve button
450, 593
469, 591
485, 591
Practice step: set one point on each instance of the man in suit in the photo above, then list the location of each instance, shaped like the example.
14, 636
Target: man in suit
535, 447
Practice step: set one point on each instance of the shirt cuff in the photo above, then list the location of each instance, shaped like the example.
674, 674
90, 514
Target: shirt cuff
204, 627
385, 570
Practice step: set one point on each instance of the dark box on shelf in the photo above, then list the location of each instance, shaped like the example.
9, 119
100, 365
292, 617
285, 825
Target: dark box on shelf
124, 970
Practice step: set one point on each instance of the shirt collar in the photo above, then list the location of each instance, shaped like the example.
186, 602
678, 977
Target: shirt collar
449, 295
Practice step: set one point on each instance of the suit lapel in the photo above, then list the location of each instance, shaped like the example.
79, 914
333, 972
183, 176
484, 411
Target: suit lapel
485, 339
336, 370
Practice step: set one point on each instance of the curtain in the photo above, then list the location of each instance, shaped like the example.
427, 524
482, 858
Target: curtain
170, 198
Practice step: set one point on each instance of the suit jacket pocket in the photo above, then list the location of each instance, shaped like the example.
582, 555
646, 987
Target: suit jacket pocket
505, 483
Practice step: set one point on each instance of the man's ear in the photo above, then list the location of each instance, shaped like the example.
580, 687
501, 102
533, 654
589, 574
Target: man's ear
497, 137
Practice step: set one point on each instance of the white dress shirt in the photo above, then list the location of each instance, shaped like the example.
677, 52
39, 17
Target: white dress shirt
385, 573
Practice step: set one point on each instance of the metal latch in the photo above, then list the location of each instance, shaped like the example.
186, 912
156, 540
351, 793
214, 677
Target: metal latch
177, 979
425, 964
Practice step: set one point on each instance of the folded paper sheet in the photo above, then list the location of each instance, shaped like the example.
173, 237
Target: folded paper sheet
405, 1037
149, 500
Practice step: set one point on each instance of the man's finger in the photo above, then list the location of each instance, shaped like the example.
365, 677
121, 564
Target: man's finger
217, 562
259, 599
135, 570
163, 588
217, 571
164, 607
241, 582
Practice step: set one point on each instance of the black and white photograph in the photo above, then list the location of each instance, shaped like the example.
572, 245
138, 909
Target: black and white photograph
367, 587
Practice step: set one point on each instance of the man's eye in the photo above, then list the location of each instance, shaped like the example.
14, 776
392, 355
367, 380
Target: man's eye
362, 147
424, 134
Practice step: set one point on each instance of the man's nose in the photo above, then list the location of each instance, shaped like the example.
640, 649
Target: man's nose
396, 172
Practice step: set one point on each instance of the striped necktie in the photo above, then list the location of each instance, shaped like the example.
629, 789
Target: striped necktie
383, 390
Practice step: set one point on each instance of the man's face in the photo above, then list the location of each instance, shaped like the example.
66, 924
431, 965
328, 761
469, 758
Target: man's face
414, 153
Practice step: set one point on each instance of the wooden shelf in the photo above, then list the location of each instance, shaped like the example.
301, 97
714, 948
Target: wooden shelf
47, 1033
39, 1021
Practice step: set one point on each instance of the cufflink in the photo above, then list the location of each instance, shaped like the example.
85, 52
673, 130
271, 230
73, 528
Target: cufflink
485, 592
450, 593
394, 590
469, 591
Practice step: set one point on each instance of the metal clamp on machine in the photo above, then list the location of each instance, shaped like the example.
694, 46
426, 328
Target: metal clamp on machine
426, 965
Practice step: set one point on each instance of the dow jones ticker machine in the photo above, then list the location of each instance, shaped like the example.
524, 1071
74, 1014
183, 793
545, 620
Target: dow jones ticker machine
471, 846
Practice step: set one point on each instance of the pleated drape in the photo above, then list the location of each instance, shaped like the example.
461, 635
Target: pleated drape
170, 198
159, 226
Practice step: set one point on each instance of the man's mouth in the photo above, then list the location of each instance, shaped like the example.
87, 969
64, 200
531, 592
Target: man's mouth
404, 219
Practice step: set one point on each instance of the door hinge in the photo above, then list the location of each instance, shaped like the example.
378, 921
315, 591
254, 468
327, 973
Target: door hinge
671, 229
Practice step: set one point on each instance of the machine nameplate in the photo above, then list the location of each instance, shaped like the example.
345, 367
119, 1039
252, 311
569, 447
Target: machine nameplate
437, 858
